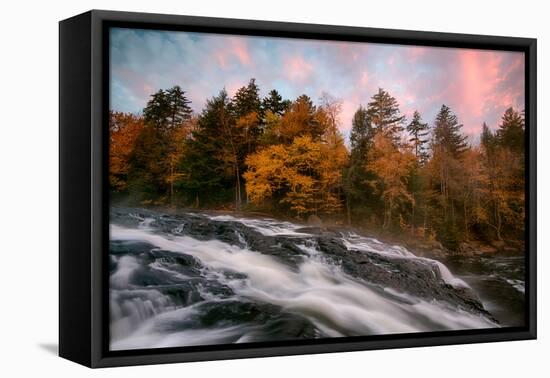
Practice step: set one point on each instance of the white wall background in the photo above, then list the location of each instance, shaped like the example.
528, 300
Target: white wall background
29, 187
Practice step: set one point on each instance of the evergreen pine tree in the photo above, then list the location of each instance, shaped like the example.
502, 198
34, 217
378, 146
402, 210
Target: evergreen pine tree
274, 102
178, 105
247, 100
511, 133
157, 111
356, 176
209, 162
361, 135
447, 133
385, 115
167, 109
419, 137
487, 139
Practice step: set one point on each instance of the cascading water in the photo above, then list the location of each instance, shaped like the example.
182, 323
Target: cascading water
190, 279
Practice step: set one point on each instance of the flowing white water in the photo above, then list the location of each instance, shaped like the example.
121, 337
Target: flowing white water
266, 226
334, 302
355, 242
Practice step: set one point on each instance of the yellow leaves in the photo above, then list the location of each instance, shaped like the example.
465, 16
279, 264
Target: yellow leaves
248, 121
294, 122
392, 168
304, 154
266, 173
306, 174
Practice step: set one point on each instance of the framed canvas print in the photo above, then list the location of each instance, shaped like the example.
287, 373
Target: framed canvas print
234, 188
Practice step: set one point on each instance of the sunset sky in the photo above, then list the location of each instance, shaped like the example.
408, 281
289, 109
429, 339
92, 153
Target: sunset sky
478, 85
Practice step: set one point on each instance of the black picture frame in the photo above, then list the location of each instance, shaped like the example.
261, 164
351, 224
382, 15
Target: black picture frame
84, 195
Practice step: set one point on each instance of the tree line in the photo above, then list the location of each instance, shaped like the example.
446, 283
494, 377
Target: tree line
289, 157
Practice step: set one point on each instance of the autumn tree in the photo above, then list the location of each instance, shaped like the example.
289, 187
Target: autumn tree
474, 182
271, 131
337, 156
334, 157
290, 157
148, 168
306, 173
300, 119
392, 168
124, 128
503, 159
247, 111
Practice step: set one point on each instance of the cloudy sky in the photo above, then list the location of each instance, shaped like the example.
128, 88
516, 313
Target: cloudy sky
477, 84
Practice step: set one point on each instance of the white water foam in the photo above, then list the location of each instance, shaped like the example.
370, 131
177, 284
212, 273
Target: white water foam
354, 242
265, 226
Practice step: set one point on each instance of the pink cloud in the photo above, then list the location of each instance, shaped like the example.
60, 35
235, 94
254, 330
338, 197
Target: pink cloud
480, 76
480, 87
297, 69
234, 49
221, 58
349, 107
364, 80
240, 50
416, 52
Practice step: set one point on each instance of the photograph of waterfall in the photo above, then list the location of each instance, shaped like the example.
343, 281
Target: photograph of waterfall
272, 189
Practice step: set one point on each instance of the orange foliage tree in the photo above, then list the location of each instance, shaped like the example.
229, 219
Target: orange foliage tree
306, 175
124, 128
392, 168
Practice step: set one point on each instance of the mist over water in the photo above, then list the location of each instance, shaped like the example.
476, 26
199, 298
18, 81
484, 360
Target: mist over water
199, 279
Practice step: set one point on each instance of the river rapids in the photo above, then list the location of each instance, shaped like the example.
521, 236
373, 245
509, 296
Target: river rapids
204, 279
